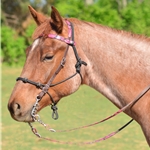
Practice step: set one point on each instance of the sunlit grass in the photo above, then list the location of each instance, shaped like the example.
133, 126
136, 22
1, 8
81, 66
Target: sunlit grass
83, 107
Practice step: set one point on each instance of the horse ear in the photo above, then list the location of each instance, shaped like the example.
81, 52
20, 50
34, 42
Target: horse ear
56, 20
39, 18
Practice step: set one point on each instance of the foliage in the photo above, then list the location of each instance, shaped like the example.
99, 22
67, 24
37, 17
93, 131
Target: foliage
131, 15
137, 17
97, 12
28, 33
12, 46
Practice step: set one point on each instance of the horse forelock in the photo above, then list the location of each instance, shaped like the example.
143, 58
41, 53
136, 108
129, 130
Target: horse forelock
44, 28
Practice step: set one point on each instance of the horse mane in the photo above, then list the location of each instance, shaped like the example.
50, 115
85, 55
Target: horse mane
128, 34
132, 35
45, 29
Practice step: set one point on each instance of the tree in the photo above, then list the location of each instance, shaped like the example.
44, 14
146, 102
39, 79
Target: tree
14, 12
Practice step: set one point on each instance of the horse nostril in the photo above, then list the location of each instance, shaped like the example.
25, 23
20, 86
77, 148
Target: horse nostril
14, 108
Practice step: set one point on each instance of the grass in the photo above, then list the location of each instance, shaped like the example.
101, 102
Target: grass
83, 107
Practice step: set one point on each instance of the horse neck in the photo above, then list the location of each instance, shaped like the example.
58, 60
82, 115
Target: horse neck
117, 61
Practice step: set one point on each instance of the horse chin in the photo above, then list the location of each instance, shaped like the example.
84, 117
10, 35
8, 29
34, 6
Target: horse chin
23, 118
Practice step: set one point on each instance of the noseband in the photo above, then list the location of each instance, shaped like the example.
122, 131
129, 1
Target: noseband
45, 87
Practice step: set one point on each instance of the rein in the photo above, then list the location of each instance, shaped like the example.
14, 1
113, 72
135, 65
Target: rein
45, 87
79, 143
97, 140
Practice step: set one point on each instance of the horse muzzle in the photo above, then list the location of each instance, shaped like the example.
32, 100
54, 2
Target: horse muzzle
18, 113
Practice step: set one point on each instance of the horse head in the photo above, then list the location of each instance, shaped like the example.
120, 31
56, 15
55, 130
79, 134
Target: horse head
50, 60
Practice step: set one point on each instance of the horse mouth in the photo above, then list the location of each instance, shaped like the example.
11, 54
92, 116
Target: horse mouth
22, 117
23, 114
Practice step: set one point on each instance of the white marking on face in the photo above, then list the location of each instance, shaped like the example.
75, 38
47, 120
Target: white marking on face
35, 43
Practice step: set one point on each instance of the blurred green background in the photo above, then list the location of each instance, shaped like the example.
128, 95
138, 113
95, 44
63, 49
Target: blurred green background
86, 105
18, 25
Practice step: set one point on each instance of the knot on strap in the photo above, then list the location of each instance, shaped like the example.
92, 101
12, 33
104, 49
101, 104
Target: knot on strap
78, 65
39, 85
45, 88
24, 80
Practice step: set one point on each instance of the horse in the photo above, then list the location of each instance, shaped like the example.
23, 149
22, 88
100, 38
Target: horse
116, 63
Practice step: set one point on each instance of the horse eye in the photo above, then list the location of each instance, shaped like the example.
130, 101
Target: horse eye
47, 58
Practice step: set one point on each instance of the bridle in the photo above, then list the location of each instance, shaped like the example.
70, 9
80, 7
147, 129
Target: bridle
45, 87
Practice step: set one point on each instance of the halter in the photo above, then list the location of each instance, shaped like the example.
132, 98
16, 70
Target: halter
45, 87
